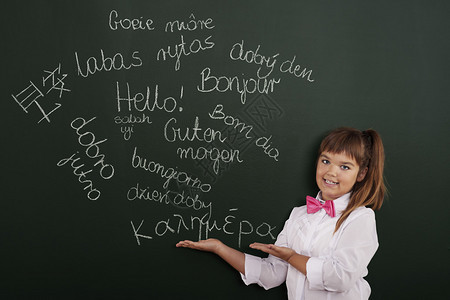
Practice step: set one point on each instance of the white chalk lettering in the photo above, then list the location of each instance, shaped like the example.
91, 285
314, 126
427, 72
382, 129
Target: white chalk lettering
167, 173
288, 66
213, 154
132, 119
196, 133
116, 62
269, 230
87, 139
204, 225
252, 56
126, 131
210, 83
190, 25
138, 235
135, 24
168, 197
264, 142
165, 226
147, 102
218, 114
93, 193
184, 49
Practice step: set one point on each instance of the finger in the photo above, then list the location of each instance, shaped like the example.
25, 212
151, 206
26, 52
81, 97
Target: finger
261, 246
185, 244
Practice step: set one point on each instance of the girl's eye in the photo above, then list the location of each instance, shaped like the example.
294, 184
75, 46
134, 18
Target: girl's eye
325, 161
345, 167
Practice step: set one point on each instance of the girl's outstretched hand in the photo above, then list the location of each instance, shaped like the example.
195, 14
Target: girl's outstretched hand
209, 245
282, 252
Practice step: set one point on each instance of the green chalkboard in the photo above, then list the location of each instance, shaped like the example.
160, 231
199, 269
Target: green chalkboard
131, 125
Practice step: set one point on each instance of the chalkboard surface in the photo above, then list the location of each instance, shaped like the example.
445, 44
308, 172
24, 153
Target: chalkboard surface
130, 125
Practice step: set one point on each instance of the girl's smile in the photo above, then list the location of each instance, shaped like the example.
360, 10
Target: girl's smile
330, 182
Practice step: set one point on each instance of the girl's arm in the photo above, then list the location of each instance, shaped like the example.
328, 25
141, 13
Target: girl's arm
234, 257
298, 261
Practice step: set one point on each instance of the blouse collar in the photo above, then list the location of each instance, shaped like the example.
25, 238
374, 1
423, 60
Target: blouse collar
340, 204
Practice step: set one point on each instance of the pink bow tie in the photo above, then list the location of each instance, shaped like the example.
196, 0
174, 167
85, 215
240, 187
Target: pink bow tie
313, 205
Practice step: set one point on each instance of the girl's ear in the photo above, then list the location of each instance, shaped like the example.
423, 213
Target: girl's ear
362, 174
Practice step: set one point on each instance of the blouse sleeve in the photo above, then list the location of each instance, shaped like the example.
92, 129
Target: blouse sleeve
346, 263
267, 272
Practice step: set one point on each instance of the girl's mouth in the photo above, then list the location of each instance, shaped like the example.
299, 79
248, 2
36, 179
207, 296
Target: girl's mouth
330, 182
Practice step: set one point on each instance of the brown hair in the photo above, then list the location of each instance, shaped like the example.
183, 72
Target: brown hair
366, 148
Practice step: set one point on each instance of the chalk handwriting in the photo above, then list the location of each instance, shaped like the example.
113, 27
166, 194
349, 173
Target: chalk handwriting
88, 140
93, 193
56, 83
148, 102
138, 235
218, 114
210, 83
204, 225
133, 119
184, 49
142, 103
196, 133
238, 52
167, 173
190, 25
177, 199
29, 96
104, 63
124, 23
288, 67
262, 142
252, 56
213, 154
126, 131
130, 119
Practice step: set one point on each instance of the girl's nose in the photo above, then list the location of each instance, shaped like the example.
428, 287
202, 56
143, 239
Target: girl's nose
332, 170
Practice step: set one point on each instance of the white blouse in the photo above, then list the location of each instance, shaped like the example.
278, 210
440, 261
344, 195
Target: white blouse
338, 262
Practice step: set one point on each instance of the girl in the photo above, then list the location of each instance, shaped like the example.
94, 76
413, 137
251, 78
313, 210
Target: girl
325, 246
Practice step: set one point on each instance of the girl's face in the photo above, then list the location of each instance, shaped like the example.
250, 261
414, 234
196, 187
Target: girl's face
336, 174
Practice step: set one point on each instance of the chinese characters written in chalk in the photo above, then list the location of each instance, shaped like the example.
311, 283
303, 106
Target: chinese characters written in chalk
37, 95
